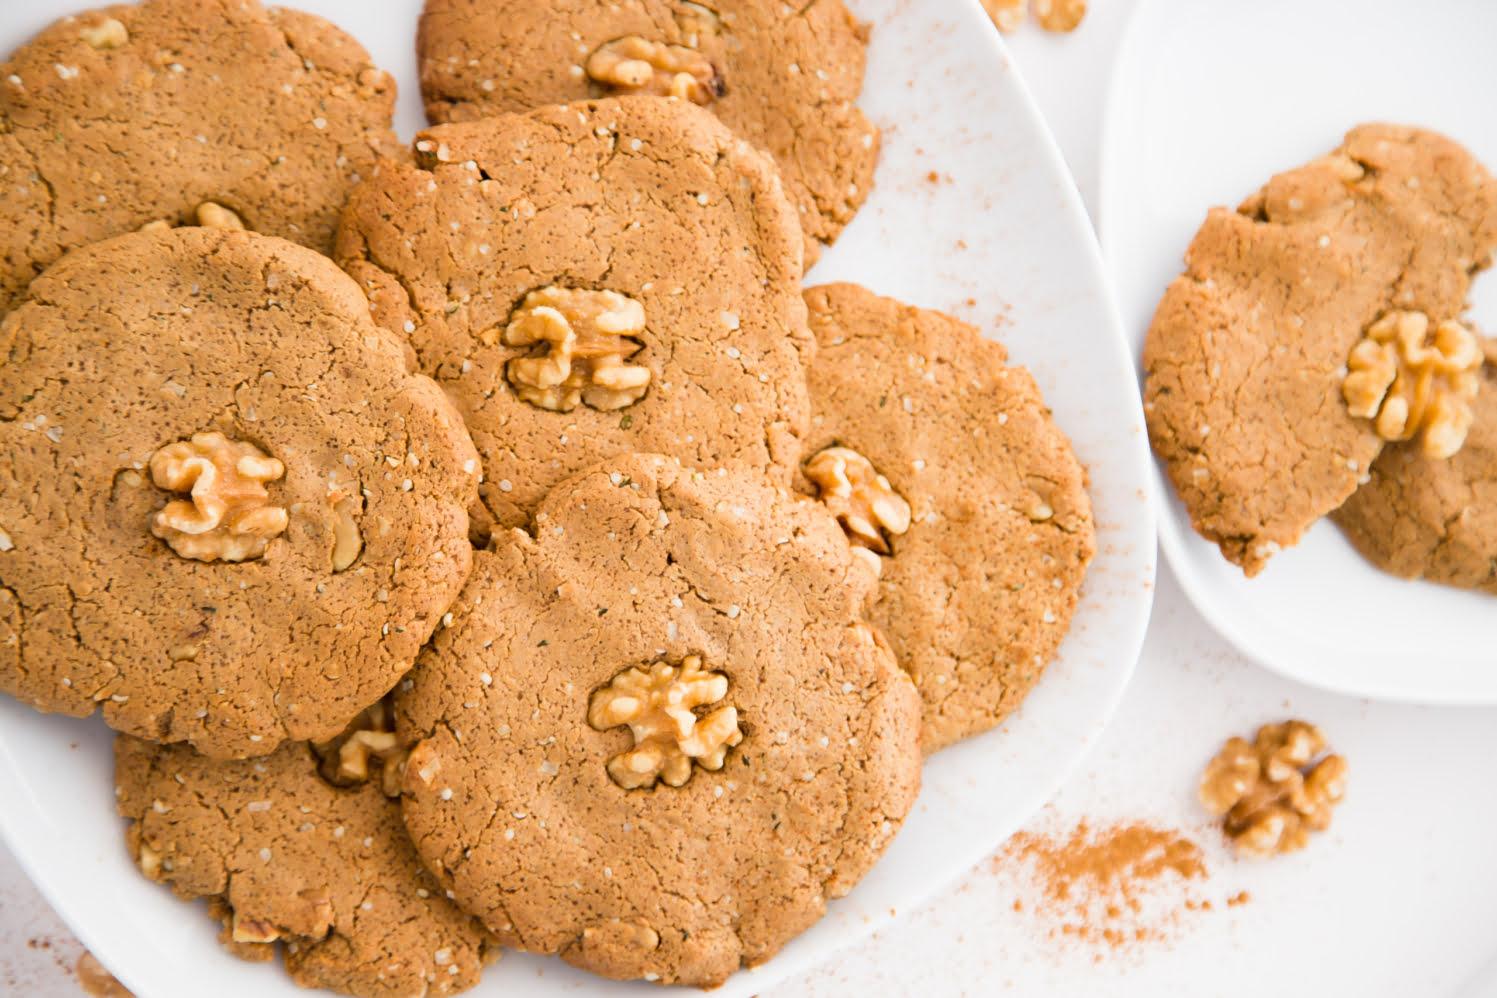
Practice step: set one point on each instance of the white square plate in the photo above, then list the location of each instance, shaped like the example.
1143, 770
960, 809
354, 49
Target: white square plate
1209, 99
1000, 238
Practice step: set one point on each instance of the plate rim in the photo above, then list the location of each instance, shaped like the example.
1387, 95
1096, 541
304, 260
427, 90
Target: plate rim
1175, 536
66, 889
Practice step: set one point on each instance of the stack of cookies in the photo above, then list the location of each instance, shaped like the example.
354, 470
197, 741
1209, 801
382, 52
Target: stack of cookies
491, 544
1314, 360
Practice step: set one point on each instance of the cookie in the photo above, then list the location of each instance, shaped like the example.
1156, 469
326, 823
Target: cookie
658, 736
132, 114
1248, 352
1434, 519
613, 276
949, 476
785, 78
325, 874
229, 513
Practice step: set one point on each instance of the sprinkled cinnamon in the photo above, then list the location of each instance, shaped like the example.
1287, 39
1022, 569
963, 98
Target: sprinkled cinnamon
1109, 887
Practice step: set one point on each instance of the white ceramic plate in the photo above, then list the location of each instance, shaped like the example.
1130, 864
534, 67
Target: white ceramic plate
1209, 98
999, 237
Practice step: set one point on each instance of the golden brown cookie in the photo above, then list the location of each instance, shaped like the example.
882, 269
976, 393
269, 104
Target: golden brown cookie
949, 475
1436, 520
229, 513
286, 858
1249, 348
613, 276
657, 736
113, 119
786, 78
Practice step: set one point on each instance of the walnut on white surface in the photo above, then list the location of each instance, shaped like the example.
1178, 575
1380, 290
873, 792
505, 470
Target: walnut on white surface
1007, 15
1412, 381
1059, 15
635, 65
229, 516
659, 704
1271, 794
584, 342
861, 499
368, 745
1052, 15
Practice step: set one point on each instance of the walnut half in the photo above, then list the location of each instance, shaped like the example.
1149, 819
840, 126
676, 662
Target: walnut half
229, 517
584, 341
635, 65
1414, 383
861, 499
659, 705
1272, 794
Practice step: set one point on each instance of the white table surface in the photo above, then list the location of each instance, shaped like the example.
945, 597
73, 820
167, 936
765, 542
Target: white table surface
1399, 898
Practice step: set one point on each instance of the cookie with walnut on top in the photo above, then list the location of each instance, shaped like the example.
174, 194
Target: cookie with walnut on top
658, 735
185, 111
1314, 325
230, 514
1431, 518
952, 481
590, 280
784, 77
302, 851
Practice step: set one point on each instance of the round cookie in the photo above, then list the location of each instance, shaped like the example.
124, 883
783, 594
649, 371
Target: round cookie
785, 78
327, 872
649, 204
1248, 349
229, 513
982, 561
657, 736
1431, 519
115, 118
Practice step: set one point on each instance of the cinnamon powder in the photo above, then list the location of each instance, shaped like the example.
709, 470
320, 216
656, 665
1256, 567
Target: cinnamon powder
1111, 887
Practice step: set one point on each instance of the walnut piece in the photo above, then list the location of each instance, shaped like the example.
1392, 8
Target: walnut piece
1007, 15
149, 861
1059, 15
1272, 794
584, 340
209, 215
659, 704
635, 65
229, 517
1411, 383
107, 34
697, 22
861, 499
251, 930
212, 215
345, 761
348, 505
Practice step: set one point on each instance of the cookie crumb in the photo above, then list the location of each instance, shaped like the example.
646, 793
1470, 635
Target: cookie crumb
98, 982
